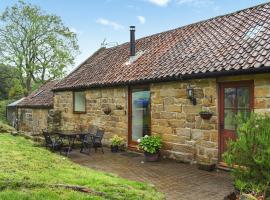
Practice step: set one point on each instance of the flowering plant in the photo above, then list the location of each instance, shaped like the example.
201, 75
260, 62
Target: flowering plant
116, 140
150, 144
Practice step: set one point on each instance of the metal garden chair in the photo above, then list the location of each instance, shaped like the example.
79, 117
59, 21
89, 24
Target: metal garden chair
87, 140
92, 139
97, 140
52, 143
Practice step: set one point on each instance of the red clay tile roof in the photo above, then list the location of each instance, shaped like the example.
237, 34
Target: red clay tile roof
41, 98
231, 43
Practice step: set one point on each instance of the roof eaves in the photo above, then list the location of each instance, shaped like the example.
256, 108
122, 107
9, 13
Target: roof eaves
213, 74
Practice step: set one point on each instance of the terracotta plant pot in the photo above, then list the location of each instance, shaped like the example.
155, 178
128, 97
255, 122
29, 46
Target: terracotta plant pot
206, 167
114, 149
206, 116
149, 157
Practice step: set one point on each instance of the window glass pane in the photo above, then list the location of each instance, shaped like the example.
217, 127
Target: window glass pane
229, 120
140, 113
79, 101
229, 97
243, 97
244, 114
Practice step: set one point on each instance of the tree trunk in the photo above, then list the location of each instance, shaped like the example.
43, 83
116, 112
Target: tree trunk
28, 84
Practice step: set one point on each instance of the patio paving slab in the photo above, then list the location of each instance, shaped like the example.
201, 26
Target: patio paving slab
177, 180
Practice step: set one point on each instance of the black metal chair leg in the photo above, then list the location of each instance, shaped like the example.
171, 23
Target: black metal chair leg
82, 147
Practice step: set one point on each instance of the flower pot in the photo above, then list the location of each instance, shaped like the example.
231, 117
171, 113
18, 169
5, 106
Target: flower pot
206, 116
206, 167
149, 157
107, 110
114, 149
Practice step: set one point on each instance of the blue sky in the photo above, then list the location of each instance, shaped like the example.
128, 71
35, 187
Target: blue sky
95, 20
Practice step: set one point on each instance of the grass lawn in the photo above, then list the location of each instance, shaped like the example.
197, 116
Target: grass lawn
28, 172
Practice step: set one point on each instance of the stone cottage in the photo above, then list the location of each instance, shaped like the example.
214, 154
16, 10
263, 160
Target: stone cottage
32, 111
12, 113
159, 84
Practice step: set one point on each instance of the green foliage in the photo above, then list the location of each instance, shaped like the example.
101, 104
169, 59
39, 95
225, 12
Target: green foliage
205, 112
250, 154
27, 171
3, 105
17, 90
9, 81
37, 44
150, 144
116, 140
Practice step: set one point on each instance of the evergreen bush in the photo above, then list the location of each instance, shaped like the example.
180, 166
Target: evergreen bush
249, 155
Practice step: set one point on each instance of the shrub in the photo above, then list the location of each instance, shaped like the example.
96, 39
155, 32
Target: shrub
250, 154
205, 112
116, 140
150, 144
3, 104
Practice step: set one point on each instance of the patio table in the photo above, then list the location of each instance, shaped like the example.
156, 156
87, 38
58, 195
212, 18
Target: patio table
71, 136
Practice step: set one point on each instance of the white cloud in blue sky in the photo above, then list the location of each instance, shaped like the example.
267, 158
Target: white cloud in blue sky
160, 2
195, 2
141, 19
105, 22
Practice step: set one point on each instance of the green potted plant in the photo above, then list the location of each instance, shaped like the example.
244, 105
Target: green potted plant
151, 146
205, 114
116, 142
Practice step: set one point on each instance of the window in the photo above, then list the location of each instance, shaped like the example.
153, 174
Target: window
253, 32
79, 102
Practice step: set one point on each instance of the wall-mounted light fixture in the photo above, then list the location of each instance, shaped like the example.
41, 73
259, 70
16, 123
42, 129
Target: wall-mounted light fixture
190, 95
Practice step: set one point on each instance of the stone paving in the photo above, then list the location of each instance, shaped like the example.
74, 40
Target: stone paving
177, 180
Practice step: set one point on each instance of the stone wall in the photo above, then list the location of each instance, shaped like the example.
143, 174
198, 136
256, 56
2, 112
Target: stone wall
186, 136
32, 120
96, 101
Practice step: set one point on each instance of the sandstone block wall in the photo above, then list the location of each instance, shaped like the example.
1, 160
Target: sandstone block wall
186, 136
96, 101
32, 120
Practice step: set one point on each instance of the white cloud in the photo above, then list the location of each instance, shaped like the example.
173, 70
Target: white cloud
106, 22
160, 2
195, 2
141, 19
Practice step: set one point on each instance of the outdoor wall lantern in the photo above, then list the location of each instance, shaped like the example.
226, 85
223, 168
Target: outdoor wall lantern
190, 95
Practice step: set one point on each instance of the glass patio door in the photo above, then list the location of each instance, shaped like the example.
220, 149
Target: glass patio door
235, 98
139, 113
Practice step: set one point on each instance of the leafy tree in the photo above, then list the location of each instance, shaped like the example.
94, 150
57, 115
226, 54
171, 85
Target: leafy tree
8, 75
250, 154
16, 91
37, 44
